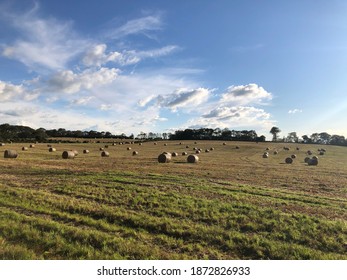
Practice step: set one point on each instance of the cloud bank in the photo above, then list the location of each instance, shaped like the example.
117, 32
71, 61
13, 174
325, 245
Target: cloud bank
90, 82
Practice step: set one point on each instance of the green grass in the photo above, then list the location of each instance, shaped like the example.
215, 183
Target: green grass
134, 208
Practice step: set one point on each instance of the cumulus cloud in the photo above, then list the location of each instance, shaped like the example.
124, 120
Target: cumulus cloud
234, 117
97, 55
47, 43
184, 97
294, 111
9, 91
245, 95
237, 113
69, 82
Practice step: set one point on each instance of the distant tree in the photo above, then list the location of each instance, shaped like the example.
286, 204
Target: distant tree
324, 137
40, 134
261, 138
142, 135
337, 140
292, 137
274, 131
306, 139
217, 132
226, 134
315, 137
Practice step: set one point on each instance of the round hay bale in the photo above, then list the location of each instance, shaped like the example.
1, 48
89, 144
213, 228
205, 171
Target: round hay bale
10, 154
129, 148
293, 156
315, 157
174, 154
323, 150
155, 143
140, 144
265, 155
187, 147
224, 144
106, 146
32, 146
197, 152
211, 149
51, 149
75, 152
288, 160
237, 147
164, 158
195, 148
313, 161
184, 153
297, 148
192, 159
2, 144
207, 151
267, 149
49, 145
275, 152
195, 143
68, 155
86, 151
102, 149
135, 153
166, 144
105, 154
309, 152
24, 148
321, 153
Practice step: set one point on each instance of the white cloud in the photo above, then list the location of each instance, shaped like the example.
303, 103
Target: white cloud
245, 95
47, 43
294, 111
238, 113
97, 55
68, 82
137, 26
10, 92
82, 100
238, 117
105, 107
184, 97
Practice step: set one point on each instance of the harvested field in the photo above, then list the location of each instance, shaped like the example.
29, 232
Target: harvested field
233, 204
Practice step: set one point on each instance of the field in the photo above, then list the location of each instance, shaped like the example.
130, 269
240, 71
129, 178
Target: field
232, 204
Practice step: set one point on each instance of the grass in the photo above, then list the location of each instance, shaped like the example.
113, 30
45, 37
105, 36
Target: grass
233, 204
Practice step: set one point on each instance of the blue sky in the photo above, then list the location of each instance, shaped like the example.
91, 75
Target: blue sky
158, 66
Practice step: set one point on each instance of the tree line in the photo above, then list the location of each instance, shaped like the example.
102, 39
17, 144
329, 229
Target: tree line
19, 133
217, 134
315, 138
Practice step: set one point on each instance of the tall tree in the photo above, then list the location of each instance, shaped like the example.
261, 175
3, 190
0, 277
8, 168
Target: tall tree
292, 137
274, 131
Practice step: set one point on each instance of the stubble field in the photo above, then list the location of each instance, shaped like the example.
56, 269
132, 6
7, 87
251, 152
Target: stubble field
232, 204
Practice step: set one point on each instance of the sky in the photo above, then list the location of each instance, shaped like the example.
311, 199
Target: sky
159, 66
